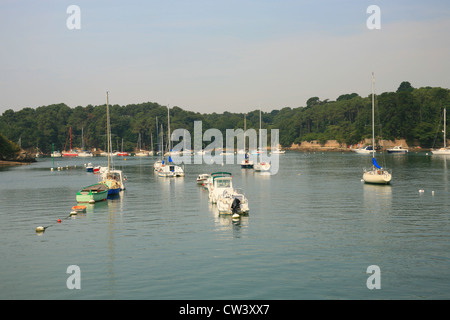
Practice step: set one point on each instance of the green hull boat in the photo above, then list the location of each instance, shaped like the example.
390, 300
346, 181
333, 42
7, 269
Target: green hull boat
93, 193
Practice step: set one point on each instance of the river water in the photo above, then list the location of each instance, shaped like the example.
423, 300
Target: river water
312, 232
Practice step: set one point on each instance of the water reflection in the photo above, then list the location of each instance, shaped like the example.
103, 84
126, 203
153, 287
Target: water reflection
377, 198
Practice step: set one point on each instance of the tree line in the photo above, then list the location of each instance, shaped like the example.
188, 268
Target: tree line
414, 114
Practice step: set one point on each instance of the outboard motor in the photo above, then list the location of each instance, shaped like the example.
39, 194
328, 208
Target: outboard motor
236, 205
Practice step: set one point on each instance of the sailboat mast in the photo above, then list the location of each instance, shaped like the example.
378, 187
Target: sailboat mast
245, 129
168, 125
107, 129
445, 118
373, 116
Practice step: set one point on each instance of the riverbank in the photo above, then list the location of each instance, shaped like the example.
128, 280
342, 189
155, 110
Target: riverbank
335, 146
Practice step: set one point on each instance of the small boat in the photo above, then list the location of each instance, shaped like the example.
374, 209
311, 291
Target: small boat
233, 203
202, 178
170, 170
397, 149
364, 150
218, 184
375, 175
246, 163
89, 167
79, 208
70, 153
111, 178
55, 154
262, 166
278, 151
85, 154
93, 193
97, 169
444, 150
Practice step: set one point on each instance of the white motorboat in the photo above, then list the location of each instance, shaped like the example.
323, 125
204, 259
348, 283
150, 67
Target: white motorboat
278, 151
218, 183
397, 149
364, 150
202, 178
262, 166
233, 203
444, 150
375, 175
56, 154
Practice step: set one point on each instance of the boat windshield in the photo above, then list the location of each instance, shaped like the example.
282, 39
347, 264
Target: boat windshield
223, 183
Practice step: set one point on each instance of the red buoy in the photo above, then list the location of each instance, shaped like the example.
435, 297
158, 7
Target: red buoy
59, 220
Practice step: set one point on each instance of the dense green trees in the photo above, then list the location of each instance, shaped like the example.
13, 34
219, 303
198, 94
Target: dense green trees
411, 113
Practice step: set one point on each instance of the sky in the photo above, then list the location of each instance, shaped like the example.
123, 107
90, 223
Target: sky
217, 55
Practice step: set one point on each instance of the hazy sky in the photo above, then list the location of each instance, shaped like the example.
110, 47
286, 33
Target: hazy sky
217, 55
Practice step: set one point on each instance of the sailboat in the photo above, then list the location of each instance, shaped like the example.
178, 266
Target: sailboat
246, 163
261, 165
376, 175
84, 153
158, 163
170, 169
139, 151
444, 150
70, 153
110, 178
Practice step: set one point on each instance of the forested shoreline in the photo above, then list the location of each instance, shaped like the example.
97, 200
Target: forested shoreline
413, 114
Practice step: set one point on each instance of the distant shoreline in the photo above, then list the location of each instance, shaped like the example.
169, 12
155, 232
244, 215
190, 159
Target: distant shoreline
4, 163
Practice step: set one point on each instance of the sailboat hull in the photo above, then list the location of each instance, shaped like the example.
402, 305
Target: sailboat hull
377, 177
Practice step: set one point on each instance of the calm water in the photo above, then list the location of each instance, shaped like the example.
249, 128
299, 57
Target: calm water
312, 231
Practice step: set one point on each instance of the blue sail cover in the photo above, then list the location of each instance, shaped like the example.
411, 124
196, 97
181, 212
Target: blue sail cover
170, 159
375, 163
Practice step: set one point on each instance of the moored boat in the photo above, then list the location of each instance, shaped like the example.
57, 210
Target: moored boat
93, 193
397, 149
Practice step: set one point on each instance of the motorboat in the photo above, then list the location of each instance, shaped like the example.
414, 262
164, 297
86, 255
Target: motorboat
234, 203
262, 166
397, 149
364, 150
89, 167
202, 178
278, 151
85, 154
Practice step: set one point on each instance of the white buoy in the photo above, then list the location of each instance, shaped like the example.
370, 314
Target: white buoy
73, 213
40, 229
432, 192
51, 169
235, 216
421, 191
91, 201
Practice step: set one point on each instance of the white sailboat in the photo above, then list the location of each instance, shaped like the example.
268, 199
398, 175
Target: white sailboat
261, 165
170, 169
375, 175
444, 150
